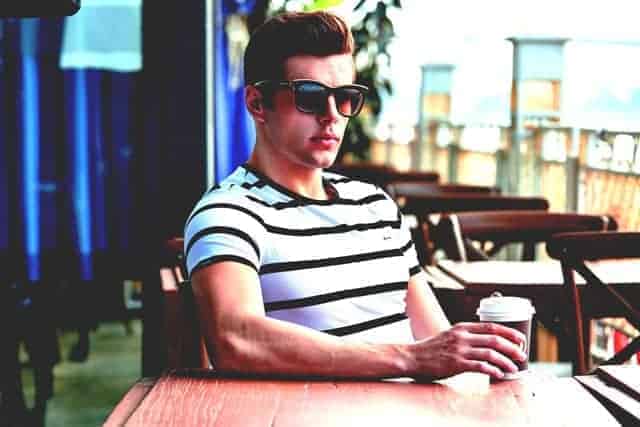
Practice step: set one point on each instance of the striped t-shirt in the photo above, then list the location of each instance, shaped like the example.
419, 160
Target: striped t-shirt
340, 266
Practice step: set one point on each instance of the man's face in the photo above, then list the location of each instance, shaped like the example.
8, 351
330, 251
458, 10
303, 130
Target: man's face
308, 140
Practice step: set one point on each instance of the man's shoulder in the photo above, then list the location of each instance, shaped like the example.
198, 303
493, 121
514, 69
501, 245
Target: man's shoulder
241, 186
239, 192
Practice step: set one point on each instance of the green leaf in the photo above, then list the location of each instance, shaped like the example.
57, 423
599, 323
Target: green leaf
322, 4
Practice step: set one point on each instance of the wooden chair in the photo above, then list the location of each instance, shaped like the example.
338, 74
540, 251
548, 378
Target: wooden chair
481, 235
472, 236
425, 207
400, 190
185, 345
381, 175
599, 297
422, 206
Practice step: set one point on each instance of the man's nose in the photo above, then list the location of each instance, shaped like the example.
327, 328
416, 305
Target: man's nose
330, 112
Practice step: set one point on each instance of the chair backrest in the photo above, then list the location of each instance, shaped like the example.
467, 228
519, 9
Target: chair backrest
424, 207
469, 236
413, 176
400, 190
381, 175
185, 345
599, 297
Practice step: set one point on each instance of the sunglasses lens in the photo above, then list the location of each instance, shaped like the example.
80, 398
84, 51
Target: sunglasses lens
311, 97
349, 101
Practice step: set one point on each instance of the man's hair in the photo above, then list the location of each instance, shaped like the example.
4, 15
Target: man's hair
291, 34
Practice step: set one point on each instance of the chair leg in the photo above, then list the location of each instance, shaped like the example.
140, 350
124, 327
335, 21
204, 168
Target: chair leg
575, 322
586, 342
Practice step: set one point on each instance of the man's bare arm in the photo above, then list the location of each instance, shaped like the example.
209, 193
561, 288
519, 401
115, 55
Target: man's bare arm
424, 311
240, 338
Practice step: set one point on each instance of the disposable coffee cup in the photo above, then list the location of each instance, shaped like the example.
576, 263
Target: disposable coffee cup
514, 312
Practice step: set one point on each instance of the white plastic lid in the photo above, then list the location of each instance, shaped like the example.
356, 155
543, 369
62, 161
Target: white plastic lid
505, 309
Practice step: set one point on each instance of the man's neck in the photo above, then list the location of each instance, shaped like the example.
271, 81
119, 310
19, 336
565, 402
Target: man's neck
306, 182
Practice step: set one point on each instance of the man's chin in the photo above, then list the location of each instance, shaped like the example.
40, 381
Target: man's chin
320, 160
328, 160
329, 163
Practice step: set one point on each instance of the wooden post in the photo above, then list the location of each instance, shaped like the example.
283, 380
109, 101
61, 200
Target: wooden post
434, 105
537, 69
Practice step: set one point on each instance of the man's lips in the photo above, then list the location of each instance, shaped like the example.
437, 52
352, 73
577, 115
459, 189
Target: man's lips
326, 138
325, 142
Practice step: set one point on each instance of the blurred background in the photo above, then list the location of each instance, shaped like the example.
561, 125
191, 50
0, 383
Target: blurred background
116, 117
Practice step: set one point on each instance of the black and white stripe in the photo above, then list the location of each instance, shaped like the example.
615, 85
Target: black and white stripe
339, 266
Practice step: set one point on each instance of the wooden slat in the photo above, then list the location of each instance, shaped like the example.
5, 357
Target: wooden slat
168, 280
617, 401
172, 316
453, 231
465, 202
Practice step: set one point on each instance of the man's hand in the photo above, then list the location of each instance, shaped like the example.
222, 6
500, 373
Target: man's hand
488, 348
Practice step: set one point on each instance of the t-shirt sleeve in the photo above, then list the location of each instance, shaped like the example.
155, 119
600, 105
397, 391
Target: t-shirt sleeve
410, 254
223, 231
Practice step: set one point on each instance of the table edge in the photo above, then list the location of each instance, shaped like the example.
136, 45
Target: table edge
129, 402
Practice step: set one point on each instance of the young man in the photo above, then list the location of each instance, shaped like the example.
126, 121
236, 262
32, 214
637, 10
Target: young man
301, 272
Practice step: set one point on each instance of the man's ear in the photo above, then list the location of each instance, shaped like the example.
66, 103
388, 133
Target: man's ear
254, 102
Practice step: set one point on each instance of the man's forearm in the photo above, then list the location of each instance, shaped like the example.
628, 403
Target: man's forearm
260, 345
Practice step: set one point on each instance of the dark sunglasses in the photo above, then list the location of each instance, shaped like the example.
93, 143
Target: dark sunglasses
311, 96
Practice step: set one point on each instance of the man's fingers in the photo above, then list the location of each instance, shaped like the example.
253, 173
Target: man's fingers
495, 358
497, 343
488, 348
483, 368
489, 328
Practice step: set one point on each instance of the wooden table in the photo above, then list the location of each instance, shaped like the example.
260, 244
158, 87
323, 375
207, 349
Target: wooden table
617, 388
201, 398
461, 285
541, 281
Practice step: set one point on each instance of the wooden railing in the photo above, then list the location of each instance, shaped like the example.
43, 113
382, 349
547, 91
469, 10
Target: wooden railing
615, 193
569, 183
